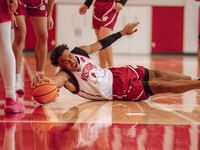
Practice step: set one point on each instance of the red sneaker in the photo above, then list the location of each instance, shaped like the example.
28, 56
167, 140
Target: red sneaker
13, 106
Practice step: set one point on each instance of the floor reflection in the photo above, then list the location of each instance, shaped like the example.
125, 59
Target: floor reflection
57, 135
163, 122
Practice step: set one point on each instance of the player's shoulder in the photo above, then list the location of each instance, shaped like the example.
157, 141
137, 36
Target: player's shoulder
80, 50
61, 73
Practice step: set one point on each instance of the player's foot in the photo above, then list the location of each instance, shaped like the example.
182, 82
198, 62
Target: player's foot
13, 106
19, 87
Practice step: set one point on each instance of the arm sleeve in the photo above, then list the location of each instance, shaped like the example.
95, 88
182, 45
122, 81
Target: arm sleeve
123, 2
107, 41
88, 3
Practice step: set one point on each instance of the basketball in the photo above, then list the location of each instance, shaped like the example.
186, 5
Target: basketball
44, 92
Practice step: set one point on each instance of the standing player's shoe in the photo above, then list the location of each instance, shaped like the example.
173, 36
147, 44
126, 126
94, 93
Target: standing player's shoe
13, 106
19, 87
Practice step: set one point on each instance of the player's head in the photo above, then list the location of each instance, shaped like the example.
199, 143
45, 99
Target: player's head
62, 57
57, 52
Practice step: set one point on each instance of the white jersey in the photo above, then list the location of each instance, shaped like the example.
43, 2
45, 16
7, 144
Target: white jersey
92, 82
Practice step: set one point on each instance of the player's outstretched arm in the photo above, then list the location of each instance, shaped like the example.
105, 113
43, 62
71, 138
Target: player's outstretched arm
129, 29
63, 79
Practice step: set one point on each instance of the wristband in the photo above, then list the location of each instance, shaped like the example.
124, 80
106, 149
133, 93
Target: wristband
88, 3
107, 41
123, 2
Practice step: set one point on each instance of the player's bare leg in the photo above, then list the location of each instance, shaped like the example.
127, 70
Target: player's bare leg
41, 32
19, 41
18, 46
102, 59
105, 56
178, 86
166, 76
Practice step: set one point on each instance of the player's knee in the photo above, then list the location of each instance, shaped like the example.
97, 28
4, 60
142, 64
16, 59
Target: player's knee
43, 37
158, 73
155, 74
161, 87
20, 38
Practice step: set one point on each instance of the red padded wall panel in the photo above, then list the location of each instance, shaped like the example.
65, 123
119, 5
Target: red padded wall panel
167, 29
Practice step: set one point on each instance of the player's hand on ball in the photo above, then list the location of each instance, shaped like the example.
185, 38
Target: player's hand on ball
37, 79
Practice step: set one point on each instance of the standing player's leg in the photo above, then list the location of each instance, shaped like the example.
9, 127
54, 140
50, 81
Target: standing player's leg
18, 46
104, 19
102, 59
7, 60
41, 32
105, 56
8, 68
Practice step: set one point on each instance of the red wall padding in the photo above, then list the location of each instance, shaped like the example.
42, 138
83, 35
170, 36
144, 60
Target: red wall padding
167, 29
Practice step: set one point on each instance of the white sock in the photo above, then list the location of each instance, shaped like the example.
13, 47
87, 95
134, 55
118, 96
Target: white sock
18, 77
194, 78
39, 72
10, 92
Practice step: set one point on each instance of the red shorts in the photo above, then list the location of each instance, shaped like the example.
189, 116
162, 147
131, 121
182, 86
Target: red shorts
127, 83
4, 12
31, 8
104, 14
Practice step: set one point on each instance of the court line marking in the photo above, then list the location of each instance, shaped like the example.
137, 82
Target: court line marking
178, 114
29, 70
135, 114
165, 96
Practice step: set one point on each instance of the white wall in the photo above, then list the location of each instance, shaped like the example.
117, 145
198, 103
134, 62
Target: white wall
140, 42
191, 24
76, 30
72, 28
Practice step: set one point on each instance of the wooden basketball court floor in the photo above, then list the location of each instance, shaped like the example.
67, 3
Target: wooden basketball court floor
163, 122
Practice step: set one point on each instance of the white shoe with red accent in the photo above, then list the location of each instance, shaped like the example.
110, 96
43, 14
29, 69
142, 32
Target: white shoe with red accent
19, 87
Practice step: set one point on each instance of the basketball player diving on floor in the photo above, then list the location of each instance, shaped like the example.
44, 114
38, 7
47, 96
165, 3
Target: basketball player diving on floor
80, 75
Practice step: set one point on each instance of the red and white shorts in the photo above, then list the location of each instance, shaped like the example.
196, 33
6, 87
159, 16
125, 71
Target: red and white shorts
104, 14
31, 8
127, 83
4, 12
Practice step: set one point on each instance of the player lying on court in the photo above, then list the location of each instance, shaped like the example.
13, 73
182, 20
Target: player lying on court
80, 75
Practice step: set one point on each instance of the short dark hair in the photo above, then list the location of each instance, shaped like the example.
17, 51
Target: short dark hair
57, 52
